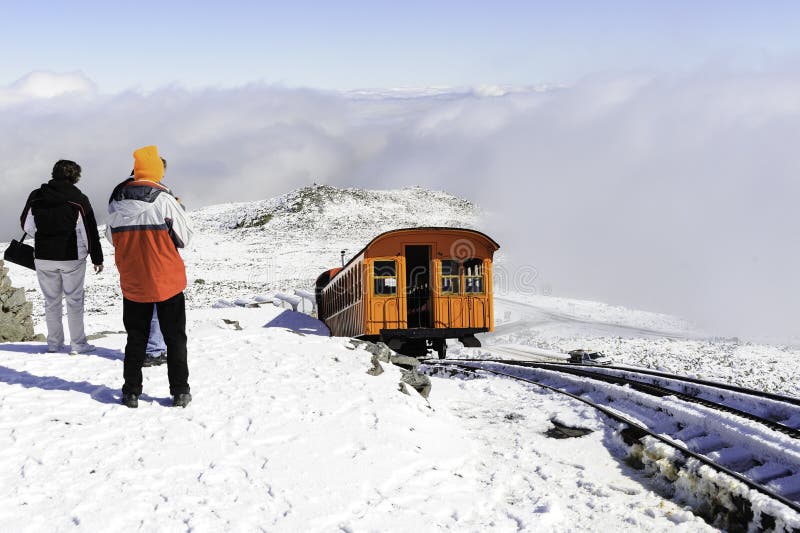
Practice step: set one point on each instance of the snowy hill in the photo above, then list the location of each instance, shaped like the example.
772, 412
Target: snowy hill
287, 431
322, 211
286, 242
279, 244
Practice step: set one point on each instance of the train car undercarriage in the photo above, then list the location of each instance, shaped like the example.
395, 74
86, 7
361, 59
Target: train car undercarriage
416, 342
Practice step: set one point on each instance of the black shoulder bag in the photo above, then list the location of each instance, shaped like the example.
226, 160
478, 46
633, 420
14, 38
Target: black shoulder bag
20, 253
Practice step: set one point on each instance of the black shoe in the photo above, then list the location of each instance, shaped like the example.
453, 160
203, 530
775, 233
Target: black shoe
154, 360
130, 400
181, 400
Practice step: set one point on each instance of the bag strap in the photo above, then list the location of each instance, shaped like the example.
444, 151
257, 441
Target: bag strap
24, 234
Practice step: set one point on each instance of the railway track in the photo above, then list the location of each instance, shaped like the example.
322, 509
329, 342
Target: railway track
711, 440
779, 412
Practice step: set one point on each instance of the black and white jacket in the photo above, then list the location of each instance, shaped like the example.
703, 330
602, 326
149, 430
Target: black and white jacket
62, 221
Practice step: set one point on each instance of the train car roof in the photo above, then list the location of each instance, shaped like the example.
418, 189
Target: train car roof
430, 228
331, 273
415, 229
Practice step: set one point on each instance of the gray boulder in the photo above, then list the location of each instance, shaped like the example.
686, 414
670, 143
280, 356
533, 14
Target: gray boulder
404, 361
11, 330
376, 369
380, 350
15, 298
16, 323
419, 382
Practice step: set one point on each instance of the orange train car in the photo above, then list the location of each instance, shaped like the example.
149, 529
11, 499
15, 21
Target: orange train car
413, 289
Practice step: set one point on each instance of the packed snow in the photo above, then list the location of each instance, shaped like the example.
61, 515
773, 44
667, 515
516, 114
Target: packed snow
288, 432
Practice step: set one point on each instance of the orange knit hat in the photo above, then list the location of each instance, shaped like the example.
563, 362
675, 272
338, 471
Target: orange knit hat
147, 164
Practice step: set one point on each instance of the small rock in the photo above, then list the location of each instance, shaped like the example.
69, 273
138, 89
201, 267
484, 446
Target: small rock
379, 349
16, 299
234, 323
419, 382
562, 431
376, 369
404, 361
357, 342
23, 311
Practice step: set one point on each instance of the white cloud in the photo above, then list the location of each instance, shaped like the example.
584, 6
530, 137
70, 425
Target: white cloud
670, 193
44, 85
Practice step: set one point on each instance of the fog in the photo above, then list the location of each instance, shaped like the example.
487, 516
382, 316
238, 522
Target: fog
672, 193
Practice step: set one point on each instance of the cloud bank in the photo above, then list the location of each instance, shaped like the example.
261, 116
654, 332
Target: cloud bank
669, 193
44, 85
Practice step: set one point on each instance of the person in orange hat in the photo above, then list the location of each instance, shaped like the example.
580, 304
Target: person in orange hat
147, 226
156, 352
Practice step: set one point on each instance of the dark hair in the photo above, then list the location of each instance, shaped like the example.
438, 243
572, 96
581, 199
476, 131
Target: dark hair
67, 170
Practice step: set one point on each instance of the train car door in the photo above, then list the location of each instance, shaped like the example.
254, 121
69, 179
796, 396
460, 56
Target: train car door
418, 286
449, 302
475, 289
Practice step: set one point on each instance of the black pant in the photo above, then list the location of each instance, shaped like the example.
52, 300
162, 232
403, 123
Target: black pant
172, 318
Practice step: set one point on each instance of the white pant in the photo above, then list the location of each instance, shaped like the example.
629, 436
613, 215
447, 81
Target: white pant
63, 279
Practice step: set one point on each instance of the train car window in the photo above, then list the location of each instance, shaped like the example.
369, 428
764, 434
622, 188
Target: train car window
473, 276
350, 290
346, 290
385, 274
450, 278
359, 290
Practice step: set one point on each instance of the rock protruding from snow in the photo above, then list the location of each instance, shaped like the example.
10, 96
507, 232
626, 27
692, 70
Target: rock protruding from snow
381, 352
16, 323
377, 368
419, 382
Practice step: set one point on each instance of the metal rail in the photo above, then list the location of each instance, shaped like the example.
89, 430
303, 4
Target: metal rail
795, 506
686, 379
558, 366
657, 390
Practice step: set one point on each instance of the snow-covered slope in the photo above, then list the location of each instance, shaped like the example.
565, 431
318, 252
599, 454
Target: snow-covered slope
282, 243
287, 432
286, 242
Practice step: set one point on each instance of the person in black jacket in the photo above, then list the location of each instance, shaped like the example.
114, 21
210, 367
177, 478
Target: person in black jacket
62, 221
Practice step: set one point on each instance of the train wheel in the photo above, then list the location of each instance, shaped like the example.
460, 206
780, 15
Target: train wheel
441, 348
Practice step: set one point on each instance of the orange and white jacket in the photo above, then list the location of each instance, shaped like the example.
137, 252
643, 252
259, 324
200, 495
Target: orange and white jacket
147, 225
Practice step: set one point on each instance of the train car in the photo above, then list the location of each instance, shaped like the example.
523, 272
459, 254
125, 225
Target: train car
413, 289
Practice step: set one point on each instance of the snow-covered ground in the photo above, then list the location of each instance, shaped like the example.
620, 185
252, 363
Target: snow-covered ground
640, 338
287, 431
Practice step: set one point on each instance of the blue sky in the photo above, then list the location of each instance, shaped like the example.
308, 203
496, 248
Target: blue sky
357, 44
